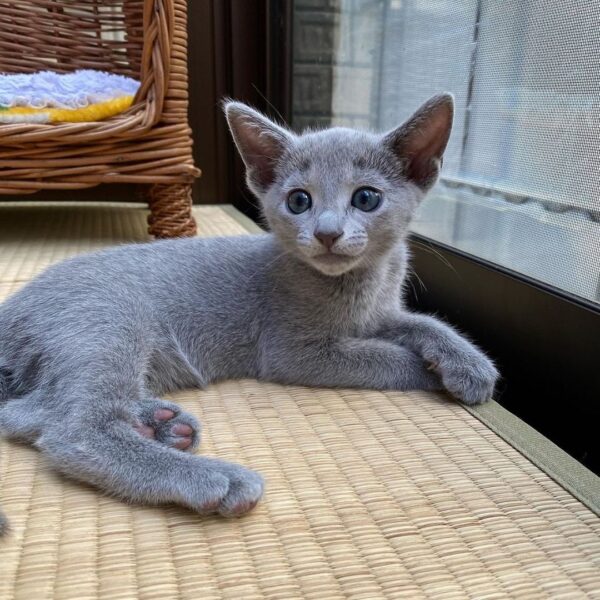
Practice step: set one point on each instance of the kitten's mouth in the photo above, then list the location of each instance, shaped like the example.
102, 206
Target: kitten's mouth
330, 256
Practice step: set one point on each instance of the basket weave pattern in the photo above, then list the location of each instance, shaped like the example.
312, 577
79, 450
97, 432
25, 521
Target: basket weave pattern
148, 144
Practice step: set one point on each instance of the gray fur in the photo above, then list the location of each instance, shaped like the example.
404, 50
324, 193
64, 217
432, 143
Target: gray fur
88, 347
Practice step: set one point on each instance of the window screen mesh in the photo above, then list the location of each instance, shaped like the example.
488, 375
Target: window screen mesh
521, 178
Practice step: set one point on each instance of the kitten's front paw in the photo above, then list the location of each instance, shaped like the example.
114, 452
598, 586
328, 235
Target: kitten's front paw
470, 378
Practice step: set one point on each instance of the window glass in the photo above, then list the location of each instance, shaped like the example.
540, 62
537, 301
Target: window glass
520, 184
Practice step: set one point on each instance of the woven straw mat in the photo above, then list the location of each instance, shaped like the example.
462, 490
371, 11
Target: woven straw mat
369, 494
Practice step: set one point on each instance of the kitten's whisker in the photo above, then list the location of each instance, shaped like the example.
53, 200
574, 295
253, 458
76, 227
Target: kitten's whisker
250, 202
409, 281
268, 103
412, 271
429, 248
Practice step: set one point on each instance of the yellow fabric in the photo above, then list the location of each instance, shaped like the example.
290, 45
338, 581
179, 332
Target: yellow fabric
92, 112
369, 494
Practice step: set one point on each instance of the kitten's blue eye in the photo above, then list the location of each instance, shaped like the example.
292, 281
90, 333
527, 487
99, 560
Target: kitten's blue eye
366, 199
299, 201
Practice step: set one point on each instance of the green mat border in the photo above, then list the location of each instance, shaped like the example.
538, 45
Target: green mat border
546, 455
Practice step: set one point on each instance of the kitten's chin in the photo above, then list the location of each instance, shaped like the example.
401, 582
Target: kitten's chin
333, 264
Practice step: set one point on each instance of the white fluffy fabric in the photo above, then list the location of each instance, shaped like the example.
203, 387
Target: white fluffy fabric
70, 90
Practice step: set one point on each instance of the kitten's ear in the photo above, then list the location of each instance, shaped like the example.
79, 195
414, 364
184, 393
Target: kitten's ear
260, 143
420, 142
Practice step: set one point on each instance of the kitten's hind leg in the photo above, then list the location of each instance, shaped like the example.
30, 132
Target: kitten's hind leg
102, 448
166, 423
23, 418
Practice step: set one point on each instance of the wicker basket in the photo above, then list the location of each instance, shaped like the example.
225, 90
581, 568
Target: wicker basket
148, 144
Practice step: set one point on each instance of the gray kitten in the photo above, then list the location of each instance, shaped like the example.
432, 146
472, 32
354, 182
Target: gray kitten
89, 346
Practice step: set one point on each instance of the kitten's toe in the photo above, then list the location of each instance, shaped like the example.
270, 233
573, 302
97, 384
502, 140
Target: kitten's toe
245, 490
164, 414
228, 489
168, 425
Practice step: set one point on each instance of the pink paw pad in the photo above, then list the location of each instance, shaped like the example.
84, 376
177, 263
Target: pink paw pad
182, 429
183, 443
177, 435
163, 414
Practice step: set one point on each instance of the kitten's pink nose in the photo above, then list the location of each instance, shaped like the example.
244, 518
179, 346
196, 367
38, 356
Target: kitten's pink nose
327, 238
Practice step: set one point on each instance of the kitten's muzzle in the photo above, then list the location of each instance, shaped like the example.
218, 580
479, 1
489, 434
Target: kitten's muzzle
328, 228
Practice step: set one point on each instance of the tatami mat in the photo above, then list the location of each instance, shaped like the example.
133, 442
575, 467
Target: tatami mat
369, 495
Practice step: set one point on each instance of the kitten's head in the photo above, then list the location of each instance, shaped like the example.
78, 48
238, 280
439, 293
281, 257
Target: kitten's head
341, 198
